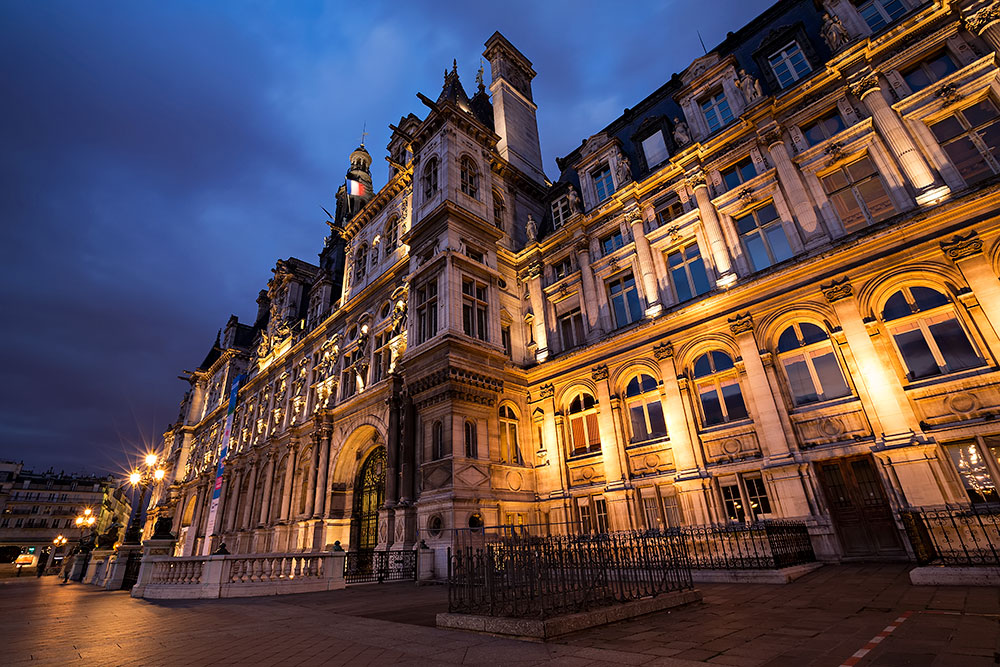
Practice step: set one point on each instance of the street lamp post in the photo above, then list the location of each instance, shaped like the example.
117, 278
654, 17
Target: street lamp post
144, 478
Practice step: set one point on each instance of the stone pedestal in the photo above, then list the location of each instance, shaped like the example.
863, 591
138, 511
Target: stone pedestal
405, 528
118, 565
163, 546
425, 563
97, 567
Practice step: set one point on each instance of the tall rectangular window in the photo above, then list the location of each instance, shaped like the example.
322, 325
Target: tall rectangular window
604, 186
789, 64
823, 128
971, 138
612, 242
756, 496
586, 520
857, 192
717, 111
880, 13
474, 309
505, 340
427, 320
739, 173
929, 70
654, 149
687, 272
601, 515
571, 329
733, 502
562, 268
763, 237
380, 367
651, 509
624, 298
978, 465
667, 211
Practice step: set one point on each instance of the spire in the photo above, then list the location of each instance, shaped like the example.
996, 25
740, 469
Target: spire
452, 91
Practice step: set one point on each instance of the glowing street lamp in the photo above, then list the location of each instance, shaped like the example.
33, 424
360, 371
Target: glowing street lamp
143, 478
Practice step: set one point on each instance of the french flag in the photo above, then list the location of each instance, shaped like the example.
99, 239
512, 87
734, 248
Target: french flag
355, 188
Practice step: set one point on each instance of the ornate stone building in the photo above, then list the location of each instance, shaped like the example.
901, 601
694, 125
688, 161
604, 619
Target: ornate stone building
769, 289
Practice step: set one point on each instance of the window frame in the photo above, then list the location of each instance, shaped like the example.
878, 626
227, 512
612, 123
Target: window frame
510, 447
685, 265
560, 211
603, 181
426, 306
715, 105
854, 188
786, 57
468, 176
623, 279
972, 133
885, 17
991, 465
471, 439
429, 177
643, 400
475, 309
573, 319
716, 380
808, 352
589, 418
761, 231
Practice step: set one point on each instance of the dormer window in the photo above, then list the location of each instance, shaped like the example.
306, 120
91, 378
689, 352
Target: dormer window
789, 64
880, 13
654, 149
717, 111
560, 211
604, 186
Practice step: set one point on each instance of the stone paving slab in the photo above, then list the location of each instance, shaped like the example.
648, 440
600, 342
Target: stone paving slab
821, 619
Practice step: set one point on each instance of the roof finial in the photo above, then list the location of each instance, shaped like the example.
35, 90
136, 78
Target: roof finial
454, 66
364, 126
479, 76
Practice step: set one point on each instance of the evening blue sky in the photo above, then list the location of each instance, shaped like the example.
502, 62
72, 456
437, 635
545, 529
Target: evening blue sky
158, 157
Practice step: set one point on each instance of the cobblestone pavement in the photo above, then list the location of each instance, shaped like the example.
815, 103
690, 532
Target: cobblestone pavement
823, 619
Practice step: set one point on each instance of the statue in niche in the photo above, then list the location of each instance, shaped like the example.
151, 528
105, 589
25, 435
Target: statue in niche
682, 135
624, 169
574, 200
399, 317
531, 227
834, 32
750, 87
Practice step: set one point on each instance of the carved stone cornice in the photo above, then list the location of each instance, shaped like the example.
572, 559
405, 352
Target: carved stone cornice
960, 247
741, 323
599, 372
837, 290
663, 351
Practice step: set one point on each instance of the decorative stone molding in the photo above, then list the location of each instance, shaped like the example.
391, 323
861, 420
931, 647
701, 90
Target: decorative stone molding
546, 391
771, 136
534, 270
949, 94
633, 216
960, 247
663, 351
741, 323
599, 372
837, 290
982, 18
746, 194
835, 151
697, 179
864, 85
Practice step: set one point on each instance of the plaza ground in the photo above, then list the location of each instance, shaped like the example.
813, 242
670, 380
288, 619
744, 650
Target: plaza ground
822, 619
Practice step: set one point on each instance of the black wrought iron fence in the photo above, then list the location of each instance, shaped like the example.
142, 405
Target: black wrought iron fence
523, 575
966, 535
760, 545
361, 567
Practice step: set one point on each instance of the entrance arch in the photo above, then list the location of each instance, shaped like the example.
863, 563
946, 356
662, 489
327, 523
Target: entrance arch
369, 494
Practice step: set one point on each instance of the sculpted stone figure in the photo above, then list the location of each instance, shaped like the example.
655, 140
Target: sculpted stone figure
574, 199
681, 133
750, 87
624, 169
531, 227
834, 32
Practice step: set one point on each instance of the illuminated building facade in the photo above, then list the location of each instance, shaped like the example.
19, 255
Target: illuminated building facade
768, 290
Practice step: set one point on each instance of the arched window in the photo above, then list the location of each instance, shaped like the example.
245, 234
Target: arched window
188, 517
437, 441
498, 209
361, 262
718, 389
471, 441
927, 333
644, 408
469, 176
390, 238
810, 364
584, 435
510, 452
430, 178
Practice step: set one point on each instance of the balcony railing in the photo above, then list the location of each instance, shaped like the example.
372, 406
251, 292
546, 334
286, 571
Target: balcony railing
963, 536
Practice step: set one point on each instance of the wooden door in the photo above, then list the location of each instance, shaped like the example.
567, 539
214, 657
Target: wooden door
860, 509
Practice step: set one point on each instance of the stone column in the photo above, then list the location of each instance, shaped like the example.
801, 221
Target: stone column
288, 485
770, 434
645, 256
890, 126
251, 493
591, 310
610, 444
231, 506
888, 403
673, 411
534, 280
967, 253
982, 18
319, 503
713, 230
799, 200
265, 501
393, 443
313, 469
409, 465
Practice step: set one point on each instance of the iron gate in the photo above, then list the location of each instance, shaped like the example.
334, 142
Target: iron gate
132, 564
365, 567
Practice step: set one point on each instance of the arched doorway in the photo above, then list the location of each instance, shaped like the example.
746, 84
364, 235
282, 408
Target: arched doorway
369, 494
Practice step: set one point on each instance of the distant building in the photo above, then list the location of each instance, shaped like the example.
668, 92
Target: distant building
767, 290
37, 507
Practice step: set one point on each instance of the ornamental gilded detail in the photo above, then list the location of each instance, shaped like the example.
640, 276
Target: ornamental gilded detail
741, 323
837, 290
862, 87
960, 247
663, 351
547, 391
981, 19
599, 372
